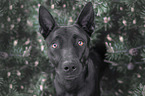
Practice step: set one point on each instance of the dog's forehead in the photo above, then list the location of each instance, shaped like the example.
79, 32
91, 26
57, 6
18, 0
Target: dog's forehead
68, 31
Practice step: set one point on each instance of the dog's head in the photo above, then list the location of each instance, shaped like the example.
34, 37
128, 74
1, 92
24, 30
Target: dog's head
68, 46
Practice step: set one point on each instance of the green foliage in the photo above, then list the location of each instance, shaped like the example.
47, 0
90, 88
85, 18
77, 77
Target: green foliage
140, 91
143, 55
25, 68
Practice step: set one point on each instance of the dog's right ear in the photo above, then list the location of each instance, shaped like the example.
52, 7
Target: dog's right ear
46, 21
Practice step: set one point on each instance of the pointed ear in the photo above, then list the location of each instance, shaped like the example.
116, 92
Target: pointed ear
86, 18
46, 21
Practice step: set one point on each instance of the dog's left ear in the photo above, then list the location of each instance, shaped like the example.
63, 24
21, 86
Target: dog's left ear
86, 18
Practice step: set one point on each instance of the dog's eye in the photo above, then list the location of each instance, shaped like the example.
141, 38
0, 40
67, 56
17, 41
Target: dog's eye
54, 45
80, 43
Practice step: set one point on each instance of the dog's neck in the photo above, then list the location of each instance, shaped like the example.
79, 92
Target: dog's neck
87, 77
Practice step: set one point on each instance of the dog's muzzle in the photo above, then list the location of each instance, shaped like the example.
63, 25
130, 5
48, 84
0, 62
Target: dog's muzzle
69, 69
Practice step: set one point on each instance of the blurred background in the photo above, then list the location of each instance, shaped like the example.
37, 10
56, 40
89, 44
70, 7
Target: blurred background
24, 65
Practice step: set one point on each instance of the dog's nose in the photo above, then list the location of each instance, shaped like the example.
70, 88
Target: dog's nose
69, 67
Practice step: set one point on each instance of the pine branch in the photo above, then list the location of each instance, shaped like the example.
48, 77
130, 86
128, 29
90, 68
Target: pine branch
115, 64
140, 91
5, 55
111, 62
124, 51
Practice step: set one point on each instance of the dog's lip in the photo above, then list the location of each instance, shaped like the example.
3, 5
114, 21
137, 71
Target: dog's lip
71, 77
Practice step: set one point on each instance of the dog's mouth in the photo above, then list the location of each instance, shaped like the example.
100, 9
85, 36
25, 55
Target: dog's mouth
70, 77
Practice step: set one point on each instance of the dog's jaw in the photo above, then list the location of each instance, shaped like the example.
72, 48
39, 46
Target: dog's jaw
71, 84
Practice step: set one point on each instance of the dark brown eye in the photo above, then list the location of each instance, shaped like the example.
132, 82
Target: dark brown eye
54, 45
80, 43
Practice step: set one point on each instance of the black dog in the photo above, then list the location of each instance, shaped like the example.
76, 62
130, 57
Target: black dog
77, 67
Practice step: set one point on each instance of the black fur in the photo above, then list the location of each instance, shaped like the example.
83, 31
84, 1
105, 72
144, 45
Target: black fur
78, 68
